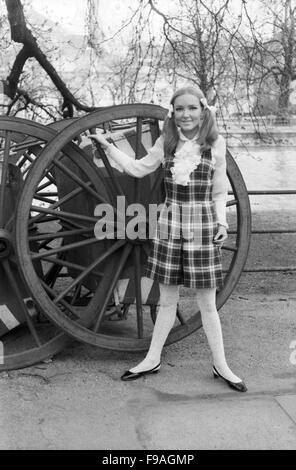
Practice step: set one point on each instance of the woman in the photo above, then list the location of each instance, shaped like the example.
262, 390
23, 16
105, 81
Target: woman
193, 157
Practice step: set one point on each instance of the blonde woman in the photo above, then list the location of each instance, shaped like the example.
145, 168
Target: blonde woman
193, 157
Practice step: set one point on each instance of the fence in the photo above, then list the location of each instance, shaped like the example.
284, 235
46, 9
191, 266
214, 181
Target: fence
247, 122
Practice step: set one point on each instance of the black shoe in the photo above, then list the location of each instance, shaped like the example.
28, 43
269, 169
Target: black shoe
238, 386
128, 375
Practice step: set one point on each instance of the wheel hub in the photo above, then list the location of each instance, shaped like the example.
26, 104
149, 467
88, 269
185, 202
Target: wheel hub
6, 244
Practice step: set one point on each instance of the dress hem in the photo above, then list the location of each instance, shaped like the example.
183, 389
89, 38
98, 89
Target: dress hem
160, 280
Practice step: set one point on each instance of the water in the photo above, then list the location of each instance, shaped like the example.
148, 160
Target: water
269, 169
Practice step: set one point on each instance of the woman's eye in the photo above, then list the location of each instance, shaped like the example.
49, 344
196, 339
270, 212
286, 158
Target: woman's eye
191, 108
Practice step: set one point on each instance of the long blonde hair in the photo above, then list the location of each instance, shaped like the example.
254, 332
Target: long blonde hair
208, 131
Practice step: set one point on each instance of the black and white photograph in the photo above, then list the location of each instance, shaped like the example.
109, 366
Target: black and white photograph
147, 229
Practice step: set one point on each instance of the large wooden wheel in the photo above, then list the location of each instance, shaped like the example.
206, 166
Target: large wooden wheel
26, 337
100, 275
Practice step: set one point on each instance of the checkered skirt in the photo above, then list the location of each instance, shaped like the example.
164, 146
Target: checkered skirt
182, 251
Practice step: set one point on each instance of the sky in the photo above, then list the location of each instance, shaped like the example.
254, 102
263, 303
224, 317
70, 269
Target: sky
110, 13
72, 12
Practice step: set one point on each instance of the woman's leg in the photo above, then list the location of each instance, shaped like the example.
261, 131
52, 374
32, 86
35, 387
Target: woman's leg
169, 296
206, 299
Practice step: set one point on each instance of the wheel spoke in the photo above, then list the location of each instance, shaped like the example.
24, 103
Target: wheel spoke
71, 246
52, 274
138, 292
76, 293
114, 181
49, 238
137, 154
25, 158
68, 264
229, 248
66, 222
126, 251
89, 269
15, 288
43, 186
26, 144
232, 202
30, 159
80, 182
71, 224
4, 175
45, 199
64, 303
62, 215
46, 219
136, 141
49, 194
60, 234
48, 176
58, 203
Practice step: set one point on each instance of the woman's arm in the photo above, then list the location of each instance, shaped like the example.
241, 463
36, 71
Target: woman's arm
129, 165
219, 194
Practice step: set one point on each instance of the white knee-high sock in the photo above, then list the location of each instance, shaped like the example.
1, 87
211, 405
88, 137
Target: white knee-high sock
169, 296
212, 328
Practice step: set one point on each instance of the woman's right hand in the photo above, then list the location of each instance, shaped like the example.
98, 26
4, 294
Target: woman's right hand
100, 139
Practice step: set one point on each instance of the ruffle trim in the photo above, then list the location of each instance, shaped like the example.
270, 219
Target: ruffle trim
185, 161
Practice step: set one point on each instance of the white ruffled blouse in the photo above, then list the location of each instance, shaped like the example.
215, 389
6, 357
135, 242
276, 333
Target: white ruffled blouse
187, 157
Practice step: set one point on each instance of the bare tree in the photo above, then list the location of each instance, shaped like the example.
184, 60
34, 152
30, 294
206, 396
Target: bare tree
271, 52
20, 33
127, 79
204, 42
244, 56
201, 42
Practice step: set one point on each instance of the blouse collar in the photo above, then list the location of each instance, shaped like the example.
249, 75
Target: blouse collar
185, 139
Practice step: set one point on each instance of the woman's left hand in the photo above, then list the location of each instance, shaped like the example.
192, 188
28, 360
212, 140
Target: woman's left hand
221, 235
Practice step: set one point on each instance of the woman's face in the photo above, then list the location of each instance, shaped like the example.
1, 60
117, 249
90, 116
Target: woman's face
187, 111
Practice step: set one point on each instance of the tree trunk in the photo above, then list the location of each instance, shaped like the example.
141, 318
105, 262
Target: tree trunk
21, 34
283, 100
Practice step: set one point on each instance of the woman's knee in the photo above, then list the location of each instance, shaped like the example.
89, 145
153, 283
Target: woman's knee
206, 298
169, 295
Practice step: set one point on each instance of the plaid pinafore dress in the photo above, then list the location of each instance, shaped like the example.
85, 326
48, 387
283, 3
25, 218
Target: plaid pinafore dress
183, 252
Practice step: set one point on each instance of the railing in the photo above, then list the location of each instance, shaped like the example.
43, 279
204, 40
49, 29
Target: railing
270, 121
262, 231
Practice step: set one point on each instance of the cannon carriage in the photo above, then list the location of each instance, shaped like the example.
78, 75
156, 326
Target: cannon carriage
66, 282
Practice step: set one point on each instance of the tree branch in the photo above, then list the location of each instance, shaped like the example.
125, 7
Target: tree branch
21, 34
16, 71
